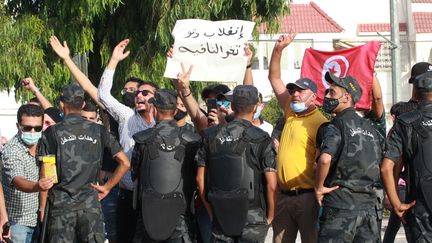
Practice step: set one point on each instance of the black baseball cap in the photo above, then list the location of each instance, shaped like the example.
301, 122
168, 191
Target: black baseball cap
303, 83
423, 82
348, 83
418, 69
54, 113
164, 99
214, 88
72, 94
245, 95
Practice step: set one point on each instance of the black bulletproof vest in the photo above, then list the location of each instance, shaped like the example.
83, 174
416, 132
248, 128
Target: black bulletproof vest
418, 155
161, 183
233, 181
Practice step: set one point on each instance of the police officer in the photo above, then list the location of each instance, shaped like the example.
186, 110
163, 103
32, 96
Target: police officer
75, 212
163, 165
236, 174
410, 141
347, 169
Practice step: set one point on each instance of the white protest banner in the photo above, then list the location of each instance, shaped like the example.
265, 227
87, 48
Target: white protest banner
215, 49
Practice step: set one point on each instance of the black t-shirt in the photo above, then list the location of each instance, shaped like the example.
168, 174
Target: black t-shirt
78, 145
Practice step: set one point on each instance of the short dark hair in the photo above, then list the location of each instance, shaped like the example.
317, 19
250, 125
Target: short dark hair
90, 106
29, 110
155, 86
135, 80
242, 108
34, 100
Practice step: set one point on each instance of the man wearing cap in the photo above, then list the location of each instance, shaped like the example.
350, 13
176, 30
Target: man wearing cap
409, 141
347, 168
236, 174
163, 169
75, 212
297, 209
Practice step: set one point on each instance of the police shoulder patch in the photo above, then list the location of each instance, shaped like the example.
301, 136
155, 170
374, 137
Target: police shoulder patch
409, 118
143, 136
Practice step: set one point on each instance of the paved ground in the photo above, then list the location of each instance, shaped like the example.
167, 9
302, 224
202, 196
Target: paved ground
400, 237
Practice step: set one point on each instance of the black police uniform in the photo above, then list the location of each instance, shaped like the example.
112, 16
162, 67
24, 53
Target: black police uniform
349, 214
75, 210
164, 169
236, 155
410, 139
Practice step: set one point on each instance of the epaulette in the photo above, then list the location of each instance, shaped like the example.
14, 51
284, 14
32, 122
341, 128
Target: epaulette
409, 118
189, 136
256, 134
143, 136
211, 130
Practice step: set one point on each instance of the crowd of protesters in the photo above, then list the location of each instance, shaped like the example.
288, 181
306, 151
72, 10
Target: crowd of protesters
162, 169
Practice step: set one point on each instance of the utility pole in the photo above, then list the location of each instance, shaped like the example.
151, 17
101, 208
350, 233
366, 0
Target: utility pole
395, 50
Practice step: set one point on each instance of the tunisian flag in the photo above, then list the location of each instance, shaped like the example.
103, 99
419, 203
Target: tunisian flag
357, 62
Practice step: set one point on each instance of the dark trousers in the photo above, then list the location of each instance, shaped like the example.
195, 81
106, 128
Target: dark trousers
394, 222
126, 216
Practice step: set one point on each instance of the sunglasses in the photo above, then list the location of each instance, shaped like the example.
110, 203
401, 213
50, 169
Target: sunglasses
143, 92
225, 103
29, 128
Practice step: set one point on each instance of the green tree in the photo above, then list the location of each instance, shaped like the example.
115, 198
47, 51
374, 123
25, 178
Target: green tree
96, 26
272, 111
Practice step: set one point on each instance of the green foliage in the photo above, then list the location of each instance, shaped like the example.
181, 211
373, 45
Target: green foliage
272, 111
96, 26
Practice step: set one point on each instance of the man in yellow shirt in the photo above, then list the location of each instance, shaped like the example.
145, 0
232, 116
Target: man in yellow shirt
296, 209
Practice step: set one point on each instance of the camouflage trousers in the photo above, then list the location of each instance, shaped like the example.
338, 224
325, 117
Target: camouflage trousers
342, 225
419, 224
77, 226
251, 234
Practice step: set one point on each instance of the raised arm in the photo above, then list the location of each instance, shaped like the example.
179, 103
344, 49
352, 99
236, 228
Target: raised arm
29, 85
182, 85
112, 105
64, 53
248, 79
377, 100
276, 82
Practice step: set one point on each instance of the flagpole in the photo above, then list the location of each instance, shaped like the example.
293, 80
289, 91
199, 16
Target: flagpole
395, 50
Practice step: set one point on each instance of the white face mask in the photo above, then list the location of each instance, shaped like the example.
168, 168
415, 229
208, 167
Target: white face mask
299, 107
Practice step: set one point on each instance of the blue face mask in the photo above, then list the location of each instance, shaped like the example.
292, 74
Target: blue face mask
257, 113
30, 138
298, 107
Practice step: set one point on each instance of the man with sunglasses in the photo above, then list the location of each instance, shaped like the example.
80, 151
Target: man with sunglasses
130, 122
20, 174
296, 209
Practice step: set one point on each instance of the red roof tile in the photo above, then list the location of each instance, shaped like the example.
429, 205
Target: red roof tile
306, 18
423, 22
378, 27
421, 1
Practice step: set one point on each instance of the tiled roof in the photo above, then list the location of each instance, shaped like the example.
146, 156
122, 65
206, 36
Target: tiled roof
379, 27
423, 22
421, 1
306, 18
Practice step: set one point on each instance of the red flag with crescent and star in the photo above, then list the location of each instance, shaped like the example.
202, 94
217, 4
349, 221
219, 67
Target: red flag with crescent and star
357, 62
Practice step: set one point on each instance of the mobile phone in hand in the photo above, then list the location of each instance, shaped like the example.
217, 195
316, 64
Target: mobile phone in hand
211, 104
6, 228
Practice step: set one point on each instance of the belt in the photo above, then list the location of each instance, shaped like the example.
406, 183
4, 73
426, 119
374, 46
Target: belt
297, 191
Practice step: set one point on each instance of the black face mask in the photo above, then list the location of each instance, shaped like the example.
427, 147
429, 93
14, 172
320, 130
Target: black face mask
129, 99
330, 104
180, 115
